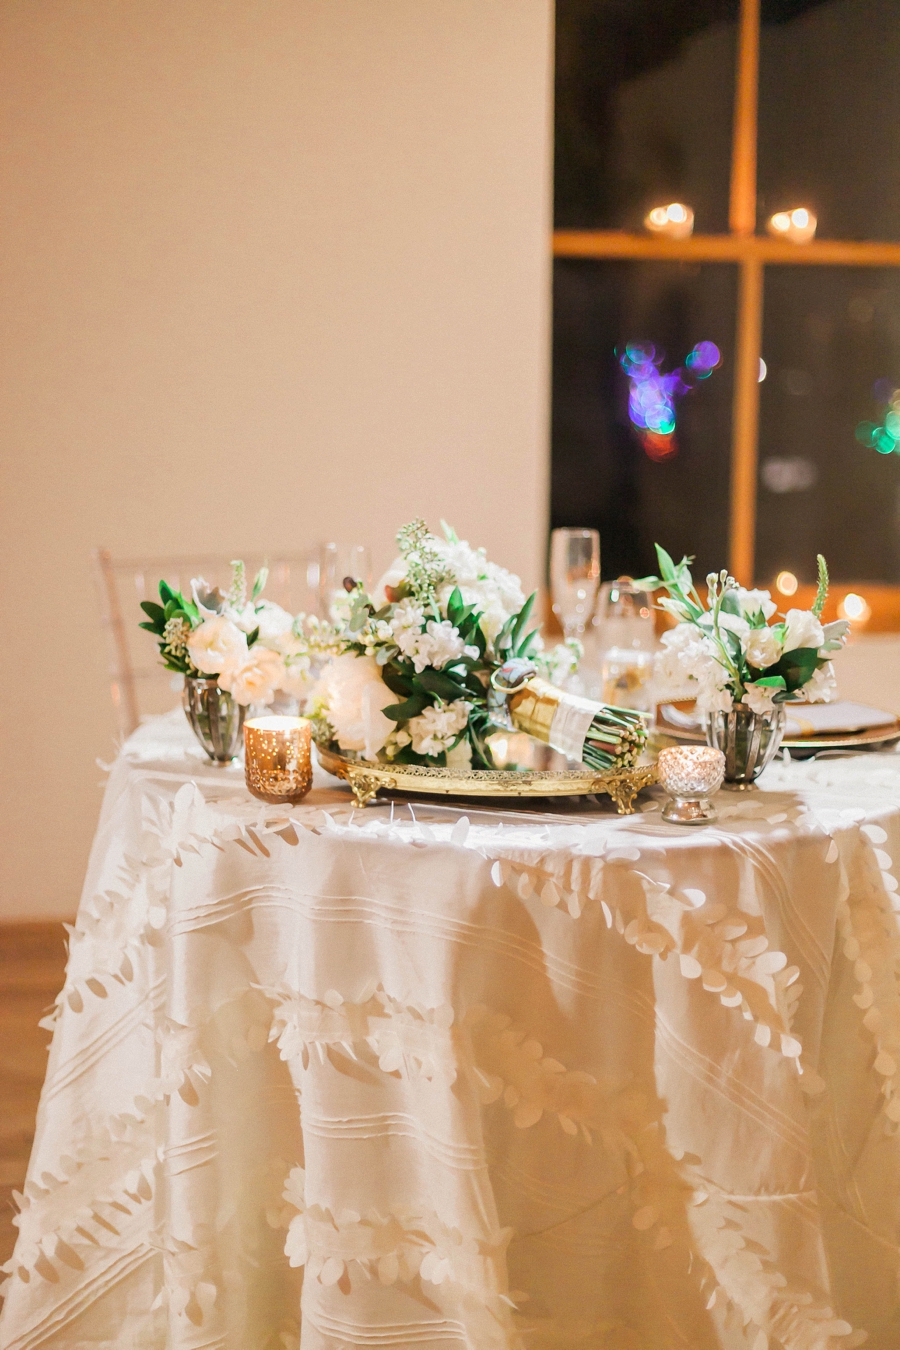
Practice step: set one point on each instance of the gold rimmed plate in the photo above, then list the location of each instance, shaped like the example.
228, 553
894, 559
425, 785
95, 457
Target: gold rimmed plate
366, 780
679, 726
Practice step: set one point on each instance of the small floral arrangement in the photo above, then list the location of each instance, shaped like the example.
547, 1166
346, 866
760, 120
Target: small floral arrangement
413, 681
729, 652
252, 647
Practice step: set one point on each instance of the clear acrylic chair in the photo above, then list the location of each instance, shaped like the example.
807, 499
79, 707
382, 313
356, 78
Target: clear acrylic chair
139, 684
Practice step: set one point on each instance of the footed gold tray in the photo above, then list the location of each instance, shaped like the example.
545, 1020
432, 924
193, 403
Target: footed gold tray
366, 780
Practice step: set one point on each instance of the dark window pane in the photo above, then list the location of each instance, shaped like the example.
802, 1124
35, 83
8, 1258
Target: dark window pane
829, 114
604, 473
644, 94
831, 342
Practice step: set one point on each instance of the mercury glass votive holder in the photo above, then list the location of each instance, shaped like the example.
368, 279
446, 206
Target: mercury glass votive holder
277, 758
690, 775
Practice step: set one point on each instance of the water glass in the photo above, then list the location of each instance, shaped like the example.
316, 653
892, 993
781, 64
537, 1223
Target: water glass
337, 563
574, 577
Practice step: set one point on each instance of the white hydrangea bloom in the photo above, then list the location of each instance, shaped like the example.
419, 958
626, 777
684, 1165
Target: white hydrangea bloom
687, 668
434, 729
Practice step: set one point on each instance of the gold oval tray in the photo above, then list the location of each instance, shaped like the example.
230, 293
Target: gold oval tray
366, 780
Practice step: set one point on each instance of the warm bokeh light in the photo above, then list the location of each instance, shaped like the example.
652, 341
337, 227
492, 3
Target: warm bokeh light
763, 370
675, 220
786, 583
798, 225
854, 608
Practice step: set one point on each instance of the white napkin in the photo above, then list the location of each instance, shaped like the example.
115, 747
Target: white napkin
804, 719
817, 719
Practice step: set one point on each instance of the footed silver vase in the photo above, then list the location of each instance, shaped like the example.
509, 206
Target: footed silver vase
748, 740
216, 720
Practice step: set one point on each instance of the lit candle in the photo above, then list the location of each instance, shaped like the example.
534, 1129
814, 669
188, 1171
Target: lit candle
690, 774
277, 762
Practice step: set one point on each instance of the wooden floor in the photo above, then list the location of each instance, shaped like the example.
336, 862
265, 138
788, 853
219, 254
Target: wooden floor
32, 963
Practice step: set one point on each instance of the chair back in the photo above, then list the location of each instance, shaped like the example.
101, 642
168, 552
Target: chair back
140, 685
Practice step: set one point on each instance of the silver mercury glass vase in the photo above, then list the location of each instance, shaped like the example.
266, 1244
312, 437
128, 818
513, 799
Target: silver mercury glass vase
748, 741
216, 720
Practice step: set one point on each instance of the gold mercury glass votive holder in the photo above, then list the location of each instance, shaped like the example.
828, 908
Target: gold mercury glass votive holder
690, 774
277, 758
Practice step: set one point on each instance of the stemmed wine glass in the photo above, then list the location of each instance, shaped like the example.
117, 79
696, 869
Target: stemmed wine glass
335, 564
574, 577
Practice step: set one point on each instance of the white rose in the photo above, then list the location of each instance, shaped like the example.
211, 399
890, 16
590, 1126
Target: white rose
758, 698
762, 648
255, 678
355, 694
215, 644
802, 629
822, 687
273, 622
753, 601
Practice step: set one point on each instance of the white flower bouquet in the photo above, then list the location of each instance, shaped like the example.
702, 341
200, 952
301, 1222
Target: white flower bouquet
728, 652
416, 678
252, 647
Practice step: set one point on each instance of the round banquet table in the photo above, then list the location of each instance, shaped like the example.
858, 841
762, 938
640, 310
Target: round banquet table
441, 1077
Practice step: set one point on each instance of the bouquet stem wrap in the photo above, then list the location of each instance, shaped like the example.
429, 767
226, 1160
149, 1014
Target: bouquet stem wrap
602, 737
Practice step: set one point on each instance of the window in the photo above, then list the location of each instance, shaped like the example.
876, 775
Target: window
740, 115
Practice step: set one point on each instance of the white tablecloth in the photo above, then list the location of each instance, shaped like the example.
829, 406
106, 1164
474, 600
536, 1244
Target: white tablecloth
400, 1077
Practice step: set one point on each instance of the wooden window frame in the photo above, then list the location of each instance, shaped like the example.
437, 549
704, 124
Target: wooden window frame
752, 253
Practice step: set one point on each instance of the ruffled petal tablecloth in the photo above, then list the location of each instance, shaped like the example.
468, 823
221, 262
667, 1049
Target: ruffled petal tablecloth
413, 1077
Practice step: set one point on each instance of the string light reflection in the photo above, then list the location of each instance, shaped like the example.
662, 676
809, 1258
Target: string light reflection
855, 608
675, 220
652, 395
799, 225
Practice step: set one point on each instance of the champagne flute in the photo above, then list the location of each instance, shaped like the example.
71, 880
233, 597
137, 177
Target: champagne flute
574, 577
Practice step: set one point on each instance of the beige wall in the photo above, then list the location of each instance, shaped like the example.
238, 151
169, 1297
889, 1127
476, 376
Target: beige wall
269, 270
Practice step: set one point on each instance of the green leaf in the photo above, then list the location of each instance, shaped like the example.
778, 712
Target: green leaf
166, 593
153, 611
251, 637
730, 604
262, 577
397, 682
151, 628
771, 682
411, 707
796, 666
521, 620
666, 565
456, 607
527, 645
440, 683
449, 533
